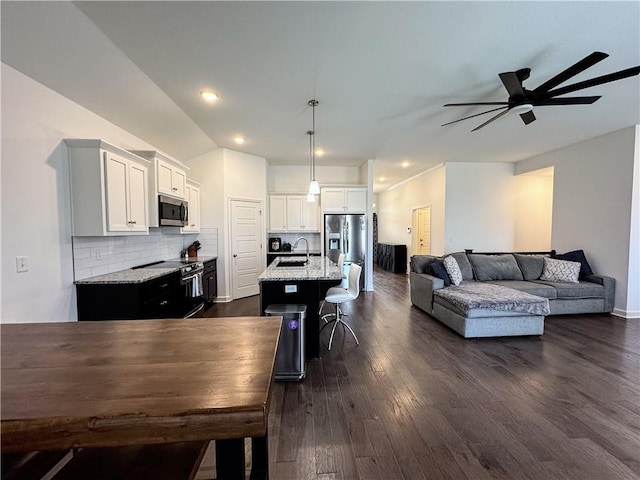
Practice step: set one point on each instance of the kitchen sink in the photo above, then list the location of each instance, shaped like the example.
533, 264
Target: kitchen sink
292, 263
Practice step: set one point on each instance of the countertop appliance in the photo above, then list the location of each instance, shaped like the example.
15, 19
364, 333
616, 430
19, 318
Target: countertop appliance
191, 299
275, 244
344, 233
286, 247
172, 211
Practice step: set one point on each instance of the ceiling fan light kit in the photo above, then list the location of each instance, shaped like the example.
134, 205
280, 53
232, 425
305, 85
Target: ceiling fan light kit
521, 101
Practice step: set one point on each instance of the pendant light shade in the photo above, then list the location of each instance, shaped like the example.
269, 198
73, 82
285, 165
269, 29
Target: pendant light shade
314, 187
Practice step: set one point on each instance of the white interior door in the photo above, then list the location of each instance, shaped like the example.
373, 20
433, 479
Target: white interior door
247, 259
422, 231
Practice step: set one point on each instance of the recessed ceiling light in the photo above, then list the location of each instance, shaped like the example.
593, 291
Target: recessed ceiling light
239, 139
405, 164
319, 152
381, 179
209, 95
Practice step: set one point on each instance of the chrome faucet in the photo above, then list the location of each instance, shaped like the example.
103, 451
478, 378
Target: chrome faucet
307, 242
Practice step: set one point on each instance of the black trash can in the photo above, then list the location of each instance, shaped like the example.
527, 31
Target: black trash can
290, 365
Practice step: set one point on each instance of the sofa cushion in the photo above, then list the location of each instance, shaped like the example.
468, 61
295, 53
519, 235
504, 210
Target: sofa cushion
530, 265
465, 266
560, 271
436, 268
495, 267
538, 289
420, 263
576, 256
575, 290
453, 269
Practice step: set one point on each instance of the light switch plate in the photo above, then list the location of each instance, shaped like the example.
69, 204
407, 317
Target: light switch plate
22, 264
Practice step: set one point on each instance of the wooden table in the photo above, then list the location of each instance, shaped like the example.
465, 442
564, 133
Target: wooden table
114, 383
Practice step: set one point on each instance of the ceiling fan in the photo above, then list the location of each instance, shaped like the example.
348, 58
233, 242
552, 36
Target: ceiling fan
522, 101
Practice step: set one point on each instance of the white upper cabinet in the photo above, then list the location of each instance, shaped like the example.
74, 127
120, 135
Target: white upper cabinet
172, 180
344, 200
167, 176
292, 213
109, 189
278, 213
193, 201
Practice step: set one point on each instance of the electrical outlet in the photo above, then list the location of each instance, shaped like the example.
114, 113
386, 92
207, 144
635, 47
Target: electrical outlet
22, 264
98, 252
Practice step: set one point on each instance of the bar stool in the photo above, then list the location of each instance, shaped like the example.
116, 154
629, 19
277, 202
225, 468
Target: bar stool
333, 290
341, 295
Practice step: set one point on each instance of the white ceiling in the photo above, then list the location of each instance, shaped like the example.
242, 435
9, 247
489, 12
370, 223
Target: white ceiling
380, 70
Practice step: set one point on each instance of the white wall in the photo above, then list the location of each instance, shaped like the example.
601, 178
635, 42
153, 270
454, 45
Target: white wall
480, 211
226, 174
36, 219
592, 205
534, 209
633, 296
395, 207
295, 179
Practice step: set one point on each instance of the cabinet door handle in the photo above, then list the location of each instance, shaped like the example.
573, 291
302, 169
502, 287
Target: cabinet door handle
163, 303
174, 188
235, 255
164, 285
131, 222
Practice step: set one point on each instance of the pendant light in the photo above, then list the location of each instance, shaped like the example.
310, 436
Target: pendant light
314, 187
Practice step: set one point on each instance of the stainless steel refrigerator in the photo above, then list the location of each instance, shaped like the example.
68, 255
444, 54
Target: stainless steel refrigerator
346, 234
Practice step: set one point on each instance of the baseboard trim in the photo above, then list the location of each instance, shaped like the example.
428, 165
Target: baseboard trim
223, 300
629, 315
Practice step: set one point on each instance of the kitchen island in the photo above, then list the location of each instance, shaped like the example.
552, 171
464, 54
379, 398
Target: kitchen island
306, 284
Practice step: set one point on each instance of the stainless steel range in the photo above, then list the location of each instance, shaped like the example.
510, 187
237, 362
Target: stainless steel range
191, 300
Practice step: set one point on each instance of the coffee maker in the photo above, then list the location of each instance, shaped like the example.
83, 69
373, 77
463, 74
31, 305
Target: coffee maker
275, 244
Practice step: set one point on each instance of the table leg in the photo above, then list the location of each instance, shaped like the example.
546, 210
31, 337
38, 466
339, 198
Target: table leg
230, 459
259, 458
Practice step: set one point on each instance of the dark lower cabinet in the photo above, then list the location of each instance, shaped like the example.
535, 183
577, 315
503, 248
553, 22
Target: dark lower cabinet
157, 298
210, 281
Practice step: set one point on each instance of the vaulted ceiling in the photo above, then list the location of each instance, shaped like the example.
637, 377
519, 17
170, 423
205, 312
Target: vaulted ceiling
380, 70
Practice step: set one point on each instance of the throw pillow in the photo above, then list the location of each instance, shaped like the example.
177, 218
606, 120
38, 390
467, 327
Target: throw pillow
464, 265
451, 265
560, 271
576, 256
530, 265
495, 267
436, 268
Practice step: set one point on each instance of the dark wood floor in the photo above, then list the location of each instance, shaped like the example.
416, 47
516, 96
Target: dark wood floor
417, 401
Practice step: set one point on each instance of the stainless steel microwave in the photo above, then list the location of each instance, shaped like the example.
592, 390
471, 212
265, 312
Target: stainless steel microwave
173, 211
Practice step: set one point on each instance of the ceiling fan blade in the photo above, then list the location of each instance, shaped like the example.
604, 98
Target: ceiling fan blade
471, 116
572, 71
512, 83
474, 103
490, 120
528, 117
567, 101
611, 77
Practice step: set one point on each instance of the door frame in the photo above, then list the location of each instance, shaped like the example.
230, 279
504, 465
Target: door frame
414, 227
229, 240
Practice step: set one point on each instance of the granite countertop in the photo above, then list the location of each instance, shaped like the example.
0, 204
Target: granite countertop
318, 268
139, 275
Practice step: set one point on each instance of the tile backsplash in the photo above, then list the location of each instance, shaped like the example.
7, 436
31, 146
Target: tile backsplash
99, 255
312, 237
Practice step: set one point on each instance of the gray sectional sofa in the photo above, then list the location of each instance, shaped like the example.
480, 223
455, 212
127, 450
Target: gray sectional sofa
521, 272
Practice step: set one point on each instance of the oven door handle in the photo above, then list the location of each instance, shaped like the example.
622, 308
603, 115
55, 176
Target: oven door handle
191, 277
